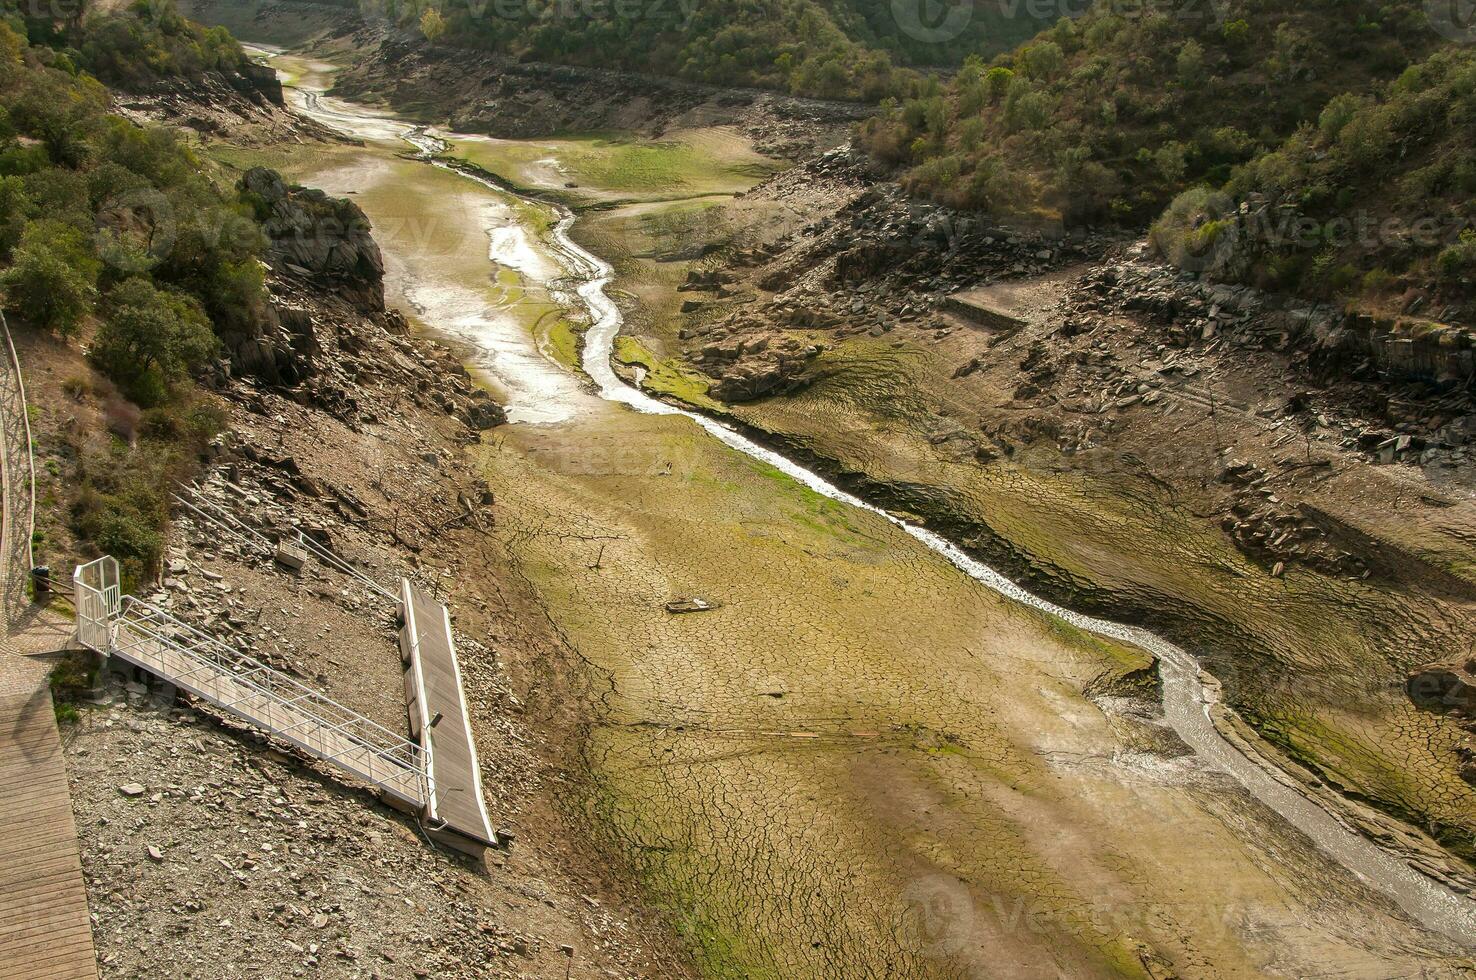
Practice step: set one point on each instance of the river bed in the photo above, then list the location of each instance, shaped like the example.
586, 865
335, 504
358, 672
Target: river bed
871, 715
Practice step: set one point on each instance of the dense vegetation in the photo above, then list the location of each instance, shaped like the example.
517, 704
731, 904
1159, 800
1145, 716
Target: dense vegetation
131, 48
795, 45
1107, 117
115, 234
842, 50
1378, 196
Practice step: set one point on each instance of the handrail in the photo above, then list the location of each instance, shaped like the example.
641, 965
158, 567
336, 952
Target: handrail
225, 522
152, 623
164, 627
228, 522
16, 546
334, 561
20, 380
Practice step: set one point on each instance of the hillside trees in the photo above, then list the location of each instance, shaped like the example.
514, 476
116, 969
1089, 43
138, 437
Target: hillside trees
1104, 118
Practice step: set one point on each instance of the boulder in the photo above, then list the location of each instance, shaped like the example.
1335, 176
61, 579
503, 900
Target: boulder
327, 240
482, 415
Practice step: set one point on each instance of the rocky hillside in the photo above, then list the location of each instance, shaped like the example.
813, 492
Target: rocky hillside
1374, 204
485, 93
117, 239
1104, 118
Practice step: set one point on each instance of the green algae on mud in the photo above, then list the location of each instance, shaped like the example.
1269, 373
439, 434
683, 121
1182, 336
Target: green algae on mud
665, 376
715, 710
760, 767
1290, 650
613, 166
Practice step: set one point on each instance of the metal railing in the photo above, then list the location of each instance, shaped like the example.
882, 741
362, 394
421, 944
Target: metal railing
18, 482
183, 655
199, 663
222, 519
97, 593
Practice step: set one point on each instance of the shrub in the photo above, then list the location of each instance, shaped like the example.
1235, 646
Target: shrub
432, 24
76, 388
1190, 63
1458, 260
150, 339
1025, 108
1042, 60
53, 279
1190, 229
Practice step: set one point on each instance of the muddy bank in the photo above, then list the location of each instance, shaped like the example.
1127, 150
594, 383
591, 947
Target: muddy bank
1176, 468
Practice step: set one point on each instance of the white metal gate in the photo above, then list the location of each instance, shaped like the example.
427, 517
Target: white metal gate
98, 593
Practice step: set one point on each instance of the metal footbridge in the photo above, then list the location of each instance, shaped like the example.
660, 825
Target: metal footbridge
434, 773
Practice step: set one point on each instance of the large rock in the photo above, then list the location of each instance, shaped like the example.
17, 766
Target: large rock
483, 414
747, 381
327, 240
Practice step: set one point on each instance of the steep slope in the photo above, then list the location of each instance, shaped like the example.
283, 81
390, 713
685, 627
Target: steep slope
1373, 203
1106, 117
837, 49
116, 237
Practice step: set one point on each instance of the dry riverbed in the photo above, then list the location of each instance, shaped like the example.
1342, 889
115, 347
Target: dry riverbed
861, 762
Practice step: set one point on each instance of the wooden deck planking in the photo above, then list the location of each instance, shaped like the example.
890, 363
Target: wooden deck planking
45, 930
454, 773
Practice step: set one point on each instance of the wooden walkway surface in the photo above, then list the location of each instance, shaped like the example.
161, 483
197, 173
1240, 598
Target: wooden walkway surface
45, 930
438, 718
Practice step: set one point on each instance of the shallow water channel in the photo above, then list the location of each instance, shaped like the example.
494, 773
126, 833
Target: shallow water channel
877, 752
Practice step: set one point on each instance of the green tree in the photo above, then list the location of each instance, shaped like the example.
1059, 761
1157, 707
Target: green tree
1190, 63
52, 281
150, 339
1042, 60
16, 208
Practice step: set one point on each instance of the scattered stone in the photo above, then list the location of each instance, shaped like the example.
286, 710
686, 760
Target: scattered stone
683, 605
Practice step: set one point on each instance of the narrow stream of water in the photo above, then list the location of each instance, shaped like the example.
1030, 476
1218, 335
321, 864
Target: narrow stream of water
1188, 694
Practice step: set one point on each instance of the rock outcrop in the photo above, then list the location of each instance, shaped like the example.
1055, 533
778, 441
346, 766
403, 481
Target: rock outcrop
318, 246
322, 239
756, 366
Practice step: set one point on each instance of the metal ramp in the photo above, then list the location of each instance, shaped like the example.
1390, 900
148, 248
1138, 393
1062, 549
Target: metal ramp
149, 638
456, 814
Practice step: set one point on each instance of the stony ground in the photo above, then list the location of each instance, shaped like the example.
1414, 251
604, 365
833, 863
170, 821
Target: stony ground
209, 853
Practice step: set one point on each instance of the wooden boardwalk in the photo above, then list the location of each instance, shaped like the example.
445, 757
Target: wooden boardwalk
455, 811
45, 930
